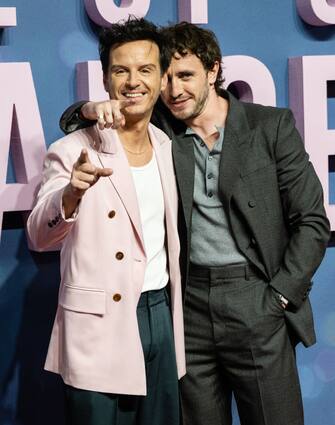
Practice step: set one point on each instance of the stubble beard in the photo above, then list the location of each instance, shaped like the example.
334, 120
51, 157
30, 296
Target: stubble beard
196, 110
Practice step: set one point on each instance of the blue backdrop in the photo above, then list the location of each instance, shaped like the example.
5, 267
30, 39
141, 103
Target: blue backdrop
53, 36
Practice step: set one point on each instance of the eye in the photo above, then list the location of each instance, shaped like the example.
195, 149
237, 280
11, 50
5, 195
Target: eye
185, 76
146, 70
119, 71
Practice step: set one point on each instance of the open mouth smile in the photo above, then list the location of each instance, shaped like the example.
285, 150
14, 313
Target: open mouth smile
135, 96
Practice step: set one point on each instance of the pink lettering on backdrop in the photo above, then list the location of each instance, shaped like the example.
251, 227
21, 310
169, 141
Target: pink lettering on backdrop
106, 12
195, 11
317, 12
7, 17
89, 81
21, 130
308, 76
251, 78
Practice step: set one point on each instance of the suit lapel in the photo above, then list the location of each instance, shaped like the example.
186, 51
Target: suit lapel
113, 156
235, 148
184, 162
164, 164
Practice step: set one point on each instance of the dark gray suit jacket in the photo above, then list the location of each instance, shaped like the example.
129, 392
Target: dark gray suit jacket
271, 194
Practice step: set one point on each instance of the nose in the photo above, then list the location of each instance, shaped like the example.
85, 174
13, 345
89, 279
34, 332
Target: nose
132, 80
175, 88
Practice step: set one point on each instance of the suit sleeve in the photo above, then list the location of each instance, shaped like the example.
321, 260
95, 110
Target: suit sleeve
47, 226
71, 119
302, 202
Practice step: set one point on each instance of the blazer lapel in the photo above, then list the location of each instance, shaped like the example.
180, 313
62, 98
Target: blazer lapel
235, 148
183, 157
165, 167
113, 156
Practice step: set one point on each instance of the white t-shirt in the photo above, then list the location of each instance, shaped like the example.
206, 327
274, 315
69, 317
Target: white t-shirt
152, 211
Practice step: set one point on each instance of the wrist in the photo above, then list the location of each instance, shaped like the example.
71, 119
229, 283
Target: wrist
70, 201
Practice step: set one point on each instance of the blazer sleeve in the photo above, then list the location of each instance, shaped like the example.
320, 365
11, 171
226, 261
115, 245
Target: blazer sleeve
47, 226
71, 119
302, 202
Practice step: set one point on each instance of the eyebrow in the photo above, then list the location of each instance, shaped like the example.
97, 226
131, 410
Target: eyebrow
146, 65
181, 74
185, 72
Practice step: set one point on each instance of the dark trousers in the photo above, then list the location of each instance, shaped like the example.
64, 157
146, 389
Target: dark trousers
237, 342
161, 404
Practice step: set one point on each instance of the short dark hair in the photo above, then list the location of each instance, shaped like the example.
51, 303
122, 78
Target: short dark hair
186, 38
132, 29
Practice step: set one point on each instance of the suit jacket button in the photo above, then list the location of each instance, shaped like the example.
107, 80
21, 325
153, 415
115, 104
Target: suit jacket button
253, 242
252, 203
111, 214
119, 255
117, 297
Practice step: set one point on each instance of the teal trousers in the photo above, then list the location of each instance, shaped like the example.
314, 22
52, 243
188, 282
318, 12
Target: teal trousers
161, 404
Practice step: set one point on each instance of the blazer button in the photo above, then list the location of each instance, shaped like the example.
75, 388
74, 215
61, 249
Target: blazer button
252, 203
253, 242
117, 297
111, 214
119, 255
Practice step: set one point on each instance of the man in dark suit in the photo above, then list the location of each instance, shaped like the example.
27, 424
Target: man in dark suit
253, 231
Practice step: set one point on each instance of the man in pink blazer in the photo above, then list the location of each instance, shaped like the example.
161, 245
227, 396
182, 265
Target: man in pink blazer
109, 200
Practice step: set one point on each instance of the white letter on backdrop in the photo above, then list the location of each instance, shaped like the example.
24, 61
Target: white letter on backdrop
21, 129
195, 11
308, 76
317, 12
251, 79
7, 17
106, 12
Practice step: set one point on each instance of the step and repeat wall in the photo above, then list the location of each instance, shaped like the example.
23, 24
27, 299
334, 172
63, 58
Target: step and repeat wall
275, 53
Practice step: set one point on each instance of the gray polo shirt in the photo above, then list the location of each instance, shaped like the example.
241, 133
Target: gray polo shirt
211, 241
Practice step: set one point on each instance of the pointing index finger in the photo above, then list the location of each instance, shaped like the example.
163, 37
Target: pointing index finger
104, 172
83, 158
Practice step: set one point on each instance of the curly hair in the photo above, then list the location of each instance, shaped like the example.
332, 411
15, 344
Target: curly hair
184, 38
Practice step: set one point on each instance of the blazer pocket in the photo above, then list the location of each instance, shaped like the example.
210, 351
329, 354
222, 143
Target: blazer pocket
83, 300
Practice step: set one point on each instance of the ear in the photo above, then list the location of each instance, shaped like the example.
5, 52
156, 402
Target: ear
213, 73
164, 81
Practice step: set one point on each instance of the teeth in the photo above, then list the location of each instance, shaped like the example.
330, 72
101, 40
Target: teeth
134, 94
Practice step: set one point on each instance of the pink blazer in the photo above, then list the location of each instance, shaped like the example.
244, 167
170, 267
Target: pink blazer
95, 342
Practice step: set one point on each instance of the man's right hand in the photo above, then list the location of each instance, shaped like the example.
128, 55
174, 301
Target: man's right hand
84, 175
108, 113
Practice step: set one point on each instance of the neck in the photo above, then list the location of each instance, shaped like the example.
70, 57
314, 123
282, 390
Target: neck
134, 134
213, 115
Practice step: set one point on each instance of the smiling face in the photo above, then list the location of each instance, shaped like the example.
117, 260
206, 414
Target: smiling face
188, 86
134, 73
